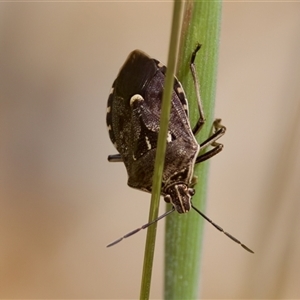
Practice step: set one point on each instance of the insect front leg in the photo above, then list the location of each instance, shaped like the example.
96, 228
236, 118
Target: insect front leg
219, 130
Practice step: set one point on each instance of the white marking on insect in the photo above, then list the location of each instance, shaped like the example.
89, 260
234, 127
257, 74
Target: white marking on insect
134, 98
180, 90
169, 137
160, 65
112, 90
108, 109
148, 143
108, 127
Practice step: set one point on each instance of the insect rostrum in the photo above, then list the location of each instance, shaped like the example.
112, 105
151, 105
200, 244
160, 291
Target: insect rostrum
133, 118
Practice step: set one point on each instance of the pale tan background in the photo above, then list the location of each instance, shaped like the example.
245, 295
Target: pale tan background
61, 199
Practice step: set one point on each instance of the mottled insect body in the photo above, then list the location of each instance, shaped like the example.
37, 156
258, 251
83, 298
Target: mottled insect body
133, 119
133, 123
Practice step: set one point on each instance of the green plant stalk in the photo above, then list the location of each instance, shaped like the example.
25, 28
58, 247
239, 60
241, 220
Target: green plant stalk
183, 239
160, 153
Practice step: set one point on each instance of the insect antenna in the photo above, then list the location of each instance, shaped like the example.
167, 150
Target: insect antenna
221, 229
142, 227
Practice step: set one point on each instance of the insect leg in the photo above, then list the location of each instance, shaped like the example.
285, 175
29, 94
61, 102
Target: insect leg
201, 120
219, 131
207, 155
115, 158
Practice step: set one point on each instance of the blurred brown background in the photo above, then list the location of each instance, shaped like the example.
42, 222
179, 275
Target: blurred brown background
60, 198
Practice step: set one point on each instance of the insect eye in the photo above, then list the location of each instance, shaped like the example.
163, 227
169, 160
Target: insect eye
191, 192
167, 198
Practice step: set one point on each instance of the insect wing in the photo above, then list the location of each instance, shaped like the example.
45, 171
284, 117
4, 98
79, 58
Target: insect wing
131, 80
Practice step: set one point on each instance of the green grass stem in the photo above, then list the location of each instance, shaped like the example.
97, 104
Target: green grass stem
183, 241
160, 154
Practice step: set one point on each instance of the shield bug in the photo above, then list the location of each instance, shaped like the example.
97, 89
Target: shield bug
133, 116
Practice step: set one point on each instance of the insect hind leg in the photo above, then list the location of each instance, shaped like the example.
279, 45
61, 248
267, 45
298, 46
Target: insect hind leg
201, 119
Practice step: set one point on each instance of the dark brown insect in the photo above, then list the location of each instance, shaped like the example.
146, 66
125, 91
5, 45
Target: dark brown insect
133, 118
